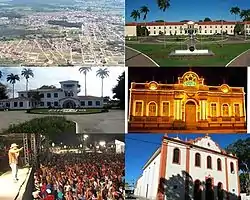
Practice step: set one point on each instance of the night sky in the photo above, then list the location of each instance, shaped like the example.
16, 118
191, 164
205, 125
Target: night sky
213, 76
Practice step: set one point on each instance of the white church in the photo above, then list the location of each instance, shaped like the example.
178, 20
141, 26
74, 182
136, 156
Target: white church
189, 170
64, 97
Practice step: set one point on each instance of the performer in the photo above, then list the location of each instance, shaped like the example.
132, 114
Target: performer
13, 159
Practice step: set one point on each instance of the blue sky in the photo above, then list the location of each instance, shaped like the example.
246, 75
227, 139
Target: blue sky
139, 148
187, 10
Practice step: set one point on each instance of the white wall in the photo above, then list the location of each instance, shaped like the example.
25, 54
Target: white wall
175, 179
232, 177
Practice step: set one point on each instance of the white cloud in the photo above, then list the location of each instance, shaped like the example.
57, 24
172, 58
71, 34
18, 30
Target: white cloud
53, 75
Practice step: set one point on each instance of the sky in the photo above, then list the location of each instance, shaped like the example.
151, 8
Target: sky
53, 75
140, 147
194, 10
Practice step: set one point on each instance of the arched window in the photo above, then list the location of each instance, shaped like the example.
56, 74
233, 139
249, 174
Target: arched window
231, 167
213, 110
176, 156
152, 109
225, 110
219, 164
197, 160
209, 162
138, 108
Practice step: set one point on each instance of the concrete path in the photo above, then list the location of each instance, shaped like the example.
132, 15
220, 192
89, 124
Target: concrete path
134, 58
242, 60
10, 190
110, 122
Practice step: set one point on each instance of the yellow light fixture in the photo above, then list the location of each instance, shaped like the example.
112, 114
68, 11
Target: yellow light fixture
153, 85
224, 88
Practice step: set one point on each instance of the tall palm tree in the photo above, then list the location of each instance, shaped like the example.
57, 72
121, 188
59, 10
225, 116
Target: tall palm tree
163, 5
12, 78
135, 14
245, 15
85, 70
144, 10
102, 73
27, 73
235, 11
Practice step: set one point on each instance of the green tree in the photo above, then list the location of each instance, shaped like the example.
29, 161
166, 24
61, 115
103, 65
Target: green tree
242, 148
163, 5
3, 91
144, 10
119, 92
135, 14
207, 19
85, 70
245, 15
35, 98
102, 73
12, 78
239, 29
27, 73
235, 11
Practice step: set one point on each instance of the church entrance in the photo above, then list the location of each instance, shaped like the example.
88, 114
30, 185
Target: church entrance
69, 104
209, 190
190, 114
197, 190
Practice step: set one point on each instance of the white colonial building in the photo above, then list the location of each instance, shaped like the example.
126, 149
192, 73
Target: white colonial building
183, 170
181, 28
64, 97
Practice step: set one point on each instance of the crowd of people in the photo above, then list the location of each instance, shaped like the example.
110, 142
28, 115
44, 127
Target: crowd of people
86, 176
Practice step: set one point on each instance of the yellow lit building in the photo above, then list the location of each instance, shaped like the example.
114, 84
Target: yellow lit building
187, 105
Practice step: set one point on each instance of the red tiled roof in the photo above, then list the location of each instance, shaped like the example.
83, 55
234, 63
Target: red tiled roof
182, 23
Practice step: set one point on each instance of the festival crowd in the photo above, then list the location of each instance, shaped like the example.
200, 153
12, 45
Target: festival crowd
86, 176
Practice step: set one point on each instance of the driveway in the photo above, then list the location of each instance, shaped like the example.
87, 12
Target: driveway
110, 122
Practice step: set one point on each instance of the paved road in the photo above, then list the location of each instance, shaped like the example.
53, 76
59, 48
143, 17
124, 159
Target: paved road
110, 122
243, 60
137, 59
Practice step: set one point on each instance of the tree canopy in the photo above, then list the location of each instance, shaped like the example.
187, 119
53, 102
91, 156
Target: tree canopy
118, 90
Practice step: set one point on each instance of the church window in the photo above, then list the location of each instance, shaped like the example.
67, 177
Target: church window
232, 167
152, 109
165, 109
209, 162
236, 110
197, 160
225, 110
219, 164
213, 110
138, 109
176, 156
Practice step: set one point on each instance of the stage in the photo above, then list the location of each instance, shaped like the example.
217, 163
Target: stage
14, 191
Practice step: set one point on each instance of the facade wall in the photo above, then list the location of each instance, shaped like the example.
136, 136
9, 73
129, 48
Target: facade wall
232, 177
130, 31
147, 185
177, 29
175, 187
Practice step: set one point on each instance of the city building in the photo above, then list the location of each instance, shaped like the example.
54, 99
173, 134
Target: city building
49, 97
180, 28
187, 105
193, 169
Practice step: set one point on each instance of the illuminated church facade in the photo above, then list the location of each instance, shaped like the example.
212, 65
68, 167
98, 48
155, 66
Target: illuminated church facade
187, 105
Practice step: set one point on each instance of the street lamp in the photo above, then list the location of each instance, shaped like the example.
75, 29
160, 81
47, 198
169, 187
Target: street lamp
80, 145
85, 137
53, 144
65, 146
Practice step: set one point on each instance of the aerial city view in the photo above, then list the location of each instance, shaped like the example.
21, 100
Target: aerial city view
174, 33
61, 33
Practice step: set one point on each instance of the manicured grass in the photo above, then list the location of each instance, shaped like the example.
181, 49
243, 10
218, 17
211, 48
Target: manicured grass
59, 111
223, 54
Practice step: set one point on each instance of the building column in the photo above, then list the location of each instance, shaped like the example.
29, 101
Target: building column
177, 109
203, 109
162, 173
226, 174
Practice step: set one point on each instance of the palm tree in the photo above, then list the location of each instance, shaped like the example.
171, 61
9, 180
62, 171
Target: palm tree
85, 70
144, 10
102, 73
135, 14
235, 11
27, 73
163, 5
12, 78
245, 15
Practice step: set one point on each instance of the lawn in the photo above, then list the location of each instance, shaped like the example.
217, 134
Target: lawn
69, 112
223, 54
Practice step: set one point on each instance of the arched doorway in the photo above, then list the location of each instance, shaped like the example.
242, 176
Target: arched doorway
69, 104
197, 190
209, 190
190, 114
